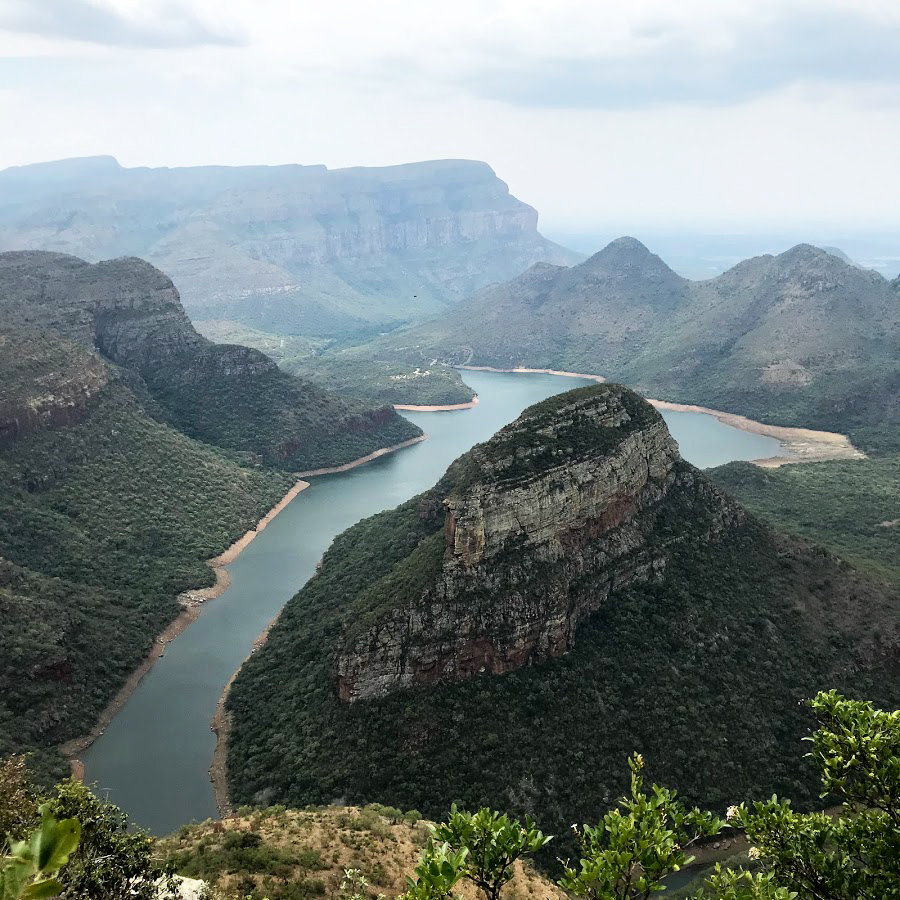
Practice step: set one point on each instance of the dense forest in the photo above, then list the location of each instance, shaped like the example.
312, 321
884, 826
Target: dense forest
701, 671
105, 520
849, 507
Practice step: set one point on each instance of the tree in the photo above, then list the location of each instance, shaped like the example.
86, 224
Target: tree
484, 846
629, 853
111, 863
854, 855
29, 872
437, 873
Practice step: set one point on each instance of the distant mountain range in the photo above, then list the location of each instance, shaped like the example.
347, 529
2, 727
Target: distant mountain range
802, 338
290, 249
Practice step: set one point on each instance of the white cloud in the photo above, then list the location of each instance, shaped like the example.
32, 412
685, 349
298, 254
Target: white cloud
701, 112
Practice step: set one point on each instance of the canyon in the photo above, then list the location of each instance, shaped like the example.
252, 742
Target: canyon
292, 249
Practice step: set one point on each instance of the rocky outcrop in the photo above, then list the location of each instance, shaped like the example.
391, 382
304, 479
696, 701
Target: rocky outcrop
46, 383
552, 516
291, 248
130, 314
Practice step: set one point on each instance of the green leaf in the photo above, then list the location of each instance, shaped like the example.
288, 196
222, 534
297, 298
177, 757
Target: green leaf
49, 887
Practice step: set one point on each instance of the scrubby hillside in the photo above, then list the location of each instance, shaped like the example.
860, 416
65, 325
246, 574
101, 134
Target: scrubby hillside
286, 854
571, 591
107, 516
228, 395
803, 338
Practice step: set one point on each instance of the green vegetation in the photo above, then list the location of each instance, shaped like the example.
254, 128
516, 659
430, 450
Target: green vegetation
335, 852
385, 382
233, 397
853, 855
702, 671
250, 405
74, 845
30, 869
634, 849
106, 519
344, 369
850, 855
485, 846
849, 507
801, 339
68, 842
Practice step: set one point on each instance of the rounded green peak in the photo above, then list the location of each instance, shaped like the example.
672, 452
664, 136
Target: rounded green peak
582, 423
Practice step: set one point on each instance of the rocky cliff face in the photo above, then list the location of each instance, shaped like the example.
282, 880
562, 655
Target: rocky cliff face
296, 248
540, 526
46, 383
125, 308
130, 314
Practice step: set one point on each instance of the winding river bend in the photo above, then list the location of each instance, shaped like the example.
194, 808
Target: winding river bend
154, 757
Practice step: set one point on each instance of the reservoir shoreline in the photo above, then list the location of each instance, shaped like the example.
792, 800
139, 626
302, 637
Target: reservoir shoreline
165, 758
801, 444
191, 602
451, 407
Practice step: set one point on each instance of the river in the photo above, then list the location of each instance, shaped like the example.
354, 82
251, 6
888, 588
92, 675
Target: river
153, 759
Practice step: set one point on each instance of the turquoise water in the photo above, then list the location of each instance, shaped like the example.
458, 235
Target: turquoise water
154, 757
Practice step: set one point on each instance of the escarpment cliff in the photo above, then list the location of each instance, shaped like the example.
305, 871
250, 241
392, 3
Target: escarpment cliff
46, 383
541, 526
130, 313
296, 249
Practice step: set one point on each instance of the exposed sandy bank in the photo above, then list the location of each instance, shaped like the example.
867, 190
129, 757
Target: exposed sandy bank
534, 372
334, 470
221, 727
190, 602
799, 444
449, 408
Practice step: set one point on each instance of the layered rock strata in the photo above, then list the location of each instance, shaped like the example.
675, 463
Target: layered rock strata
544, 522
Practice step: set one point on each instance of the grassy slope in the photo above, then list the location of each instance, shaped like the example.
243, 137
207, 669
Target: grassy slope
285, 854
347, 370
103, 523
853, 508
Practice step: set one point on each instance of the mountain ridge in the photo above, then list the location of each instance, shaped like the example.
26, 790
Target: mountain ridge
291, 249
131, 313
799, 338
470, 647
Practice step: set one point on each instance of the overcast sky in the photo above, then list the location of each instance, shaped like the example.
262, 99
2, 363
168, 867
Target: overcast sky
711, 114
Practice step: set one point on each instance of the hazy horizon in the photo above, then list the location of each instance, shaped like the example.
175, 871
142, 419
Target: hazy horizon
764, 115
